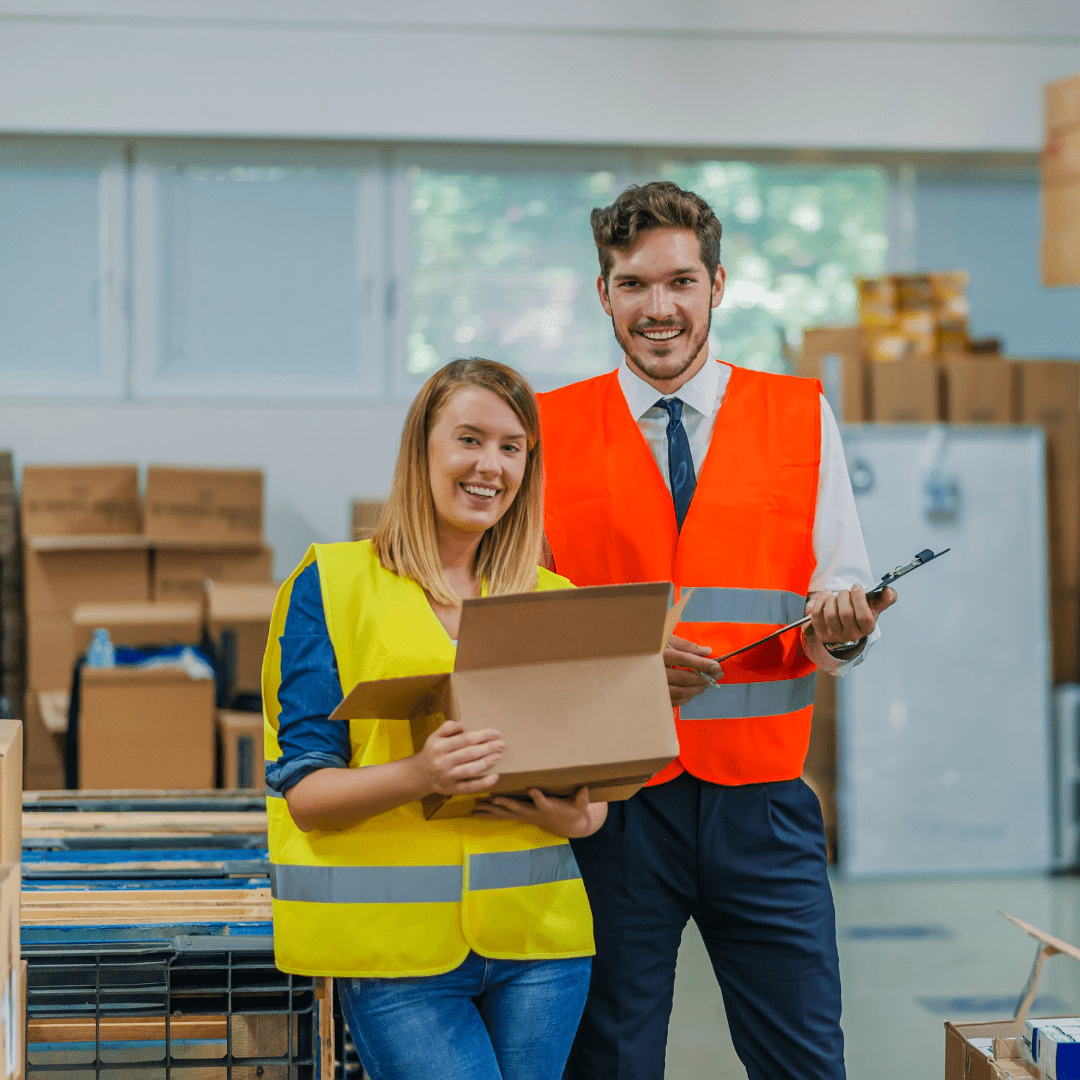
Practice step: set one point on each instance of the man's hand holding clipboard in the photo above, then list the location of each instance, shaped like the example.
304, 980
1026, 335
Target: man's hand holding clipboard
836, 628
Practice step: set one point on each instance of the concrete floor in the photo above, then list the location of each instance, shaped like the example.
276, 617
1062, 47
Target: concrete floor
907, 948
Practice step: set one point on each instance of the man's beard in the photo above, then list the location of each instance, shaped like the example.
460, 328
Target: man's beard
649, 364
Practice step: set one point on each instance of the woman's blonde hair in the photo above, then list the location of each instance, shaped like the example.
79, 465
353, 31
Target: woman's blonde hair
406, 539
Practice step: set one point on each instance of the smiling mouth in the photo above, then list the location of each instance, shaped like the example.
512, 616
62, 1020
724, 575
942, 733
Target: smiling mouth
666, 333
480, 491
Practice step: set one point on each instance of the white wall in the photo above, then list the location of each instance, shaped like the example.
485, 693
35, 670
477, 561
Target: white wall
926, 74
316, 459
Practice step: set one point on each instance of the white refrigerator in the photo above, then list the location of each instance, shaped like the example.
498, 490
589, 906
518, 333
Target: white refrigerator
944, 729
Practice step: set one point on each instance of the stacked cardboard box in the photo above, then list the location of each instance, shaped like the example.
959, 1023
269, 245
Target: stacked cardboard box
12, 617
87, 545
1048, 395
204, 524
1061, 184
888, 368
82, 543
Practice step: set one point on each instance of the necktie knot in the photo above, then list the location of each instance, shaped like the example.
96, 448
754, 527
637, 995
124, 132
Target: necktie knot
673, 407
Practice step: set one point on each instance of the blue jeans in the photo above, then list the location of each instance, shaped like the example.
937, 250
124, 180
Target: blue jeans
485, 1020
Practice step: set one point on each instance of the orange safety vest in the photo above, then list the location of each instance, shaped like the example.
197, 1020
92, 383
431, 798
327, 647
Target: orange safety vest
746, 547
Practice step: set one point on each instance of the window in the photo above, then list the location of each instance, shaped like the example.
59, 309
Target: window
62, 255
257, 276
287, 271
500, 263
794, 240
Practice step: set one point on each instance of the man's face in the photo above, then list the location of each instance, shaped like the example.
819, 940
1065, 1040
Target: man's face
660, 299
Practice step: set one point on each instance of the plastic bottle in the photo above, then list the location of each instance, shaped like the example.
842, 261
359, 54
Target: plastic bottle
101, 653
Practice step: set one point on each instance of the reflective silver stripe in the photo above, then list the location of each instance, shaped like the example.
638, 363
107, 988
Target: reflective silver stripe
730, 701
366, 884
270, 793
744, 606
513, 869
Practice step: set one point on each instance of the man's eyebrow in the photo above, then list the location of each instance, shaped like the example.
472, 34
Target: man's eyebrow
681, 272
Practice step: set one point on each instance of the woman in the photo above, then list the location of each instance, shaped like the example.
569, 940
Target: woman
437, 979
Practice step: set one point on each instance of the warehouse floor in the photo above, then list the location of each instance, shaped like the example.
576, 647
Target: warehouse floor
913, 954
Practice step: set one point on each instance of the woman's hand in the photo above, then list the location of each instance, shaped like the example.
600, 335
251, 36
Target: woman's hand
575, 817
456, 762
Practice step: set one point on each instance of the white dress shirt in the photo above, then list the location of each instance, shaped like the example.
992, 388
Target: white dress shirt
839, 548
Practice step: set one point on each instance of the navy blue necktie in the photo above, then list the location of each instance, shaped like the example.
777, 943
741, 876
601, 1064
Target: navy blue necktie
680, 462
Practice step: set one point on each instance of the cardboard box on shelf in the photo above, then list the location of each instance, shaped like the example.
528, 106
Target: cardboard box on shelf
1049, 396
50, 651
907, 391
978, 390
573, 679
1064, 629
835, 355
11, 787
1061, 233
238, 618
12, 1036
365, 517
1063, 516
145, 728
181, 574
58, 581
242, 761
219, 506
144, 623
80, 500
1061, 103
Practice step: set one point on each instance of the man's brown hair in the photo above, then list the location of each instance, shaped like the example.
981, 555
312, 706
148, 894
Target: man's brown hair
659, 205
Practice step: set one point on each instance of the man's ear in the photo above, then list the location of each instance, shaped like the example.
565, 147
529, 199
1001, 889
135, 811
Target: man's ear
718, 285
601, 291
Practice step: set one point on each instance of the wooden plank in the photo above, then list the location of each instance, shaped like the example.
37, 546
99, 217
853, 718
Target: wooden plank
117, 1029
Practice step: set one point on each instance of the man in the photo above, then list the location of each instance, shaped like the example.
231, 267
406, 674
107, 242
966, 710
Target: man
733, 482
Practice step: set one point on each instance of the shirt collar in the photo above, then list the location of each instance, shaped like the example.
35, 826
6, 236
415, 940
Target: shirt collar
700, 393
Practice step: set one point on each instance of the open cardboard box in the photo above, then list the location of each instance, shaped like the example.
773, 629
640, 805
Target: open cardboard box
572, 679
964, 1060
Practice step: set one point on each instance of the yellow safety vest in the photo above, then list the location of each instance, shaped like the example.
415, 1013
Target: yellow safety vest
398, 895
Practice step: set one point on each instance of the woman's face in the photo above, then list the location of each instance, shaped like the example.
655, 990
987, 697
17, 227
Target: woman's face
477, 451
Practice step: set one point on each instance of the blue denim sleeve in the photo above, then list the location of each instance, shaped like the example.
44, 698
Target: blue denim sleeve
310, 690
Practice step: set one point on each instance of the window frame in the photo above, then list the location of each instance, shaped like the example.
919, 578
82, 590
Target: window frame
110, 158
147, 382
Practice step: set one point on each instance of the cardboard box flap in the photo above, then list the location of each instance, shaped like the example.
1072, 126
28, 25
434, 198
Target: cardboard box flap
389, 699
140, 613
563, 624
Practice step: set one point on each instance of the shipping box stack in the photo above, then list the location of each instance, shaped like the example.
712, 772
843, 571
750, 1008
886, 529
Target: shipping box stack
1061, 184
889, 367
204, 524
12, 615
1048, 395
82, 543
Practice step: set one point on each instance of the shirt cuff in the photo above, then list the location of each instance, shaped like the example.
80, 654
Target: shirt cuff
844, 666
280, 777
